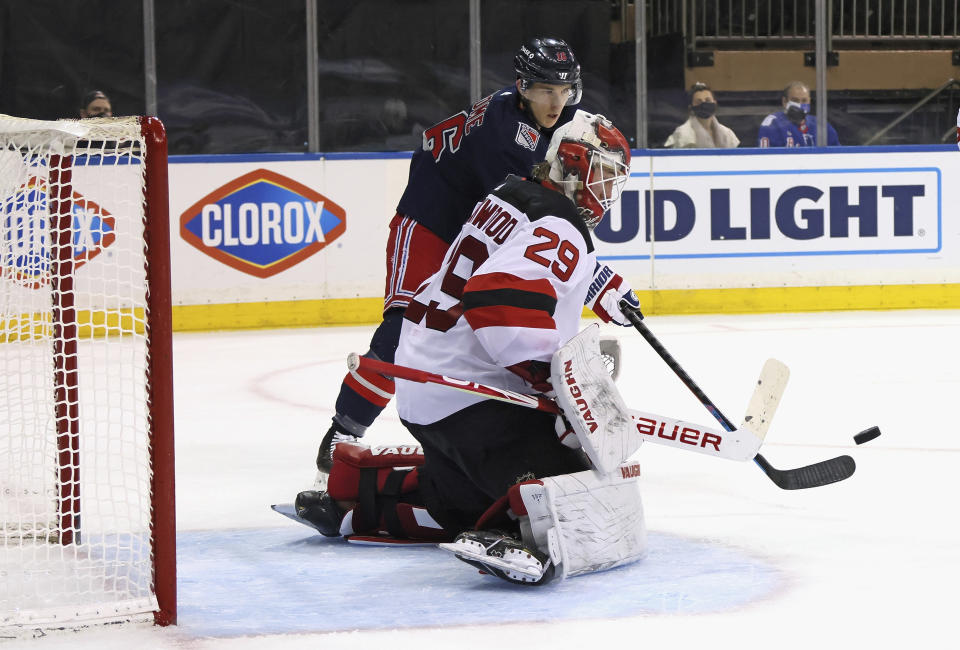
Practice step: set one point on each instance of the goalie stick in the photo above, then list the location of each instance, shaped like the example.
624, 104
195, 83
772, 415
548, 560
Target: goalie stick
655, 428
822, 473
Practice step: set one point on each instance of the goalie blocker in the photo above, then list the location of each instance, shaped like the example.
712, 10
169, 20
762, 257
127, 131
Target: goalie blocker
609, 432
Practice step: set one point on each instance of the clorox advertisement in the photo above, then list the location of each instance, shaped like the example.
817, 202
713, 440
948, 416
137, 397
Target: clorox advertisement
26, 250
293, 229
262, 223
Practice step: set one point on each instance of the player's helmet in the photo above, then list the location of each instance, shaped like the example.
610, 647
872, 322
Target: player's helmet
589, 162
548, 61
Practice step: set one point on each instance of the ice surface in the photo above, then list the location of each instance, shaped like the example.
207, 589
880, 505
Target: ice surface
734, 561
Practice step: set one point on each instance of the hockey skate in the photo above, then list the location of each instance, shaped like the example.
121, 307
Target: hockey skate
503, 556
319, 510
333, 437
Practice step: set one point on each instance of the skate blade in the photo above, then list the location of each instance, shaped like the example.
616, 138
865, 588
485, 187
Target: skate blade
468, 554
373, 540
290, 512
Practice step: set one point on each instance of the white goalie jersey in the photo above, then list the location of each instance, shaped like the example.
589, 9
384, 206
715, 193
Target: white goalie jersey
511, 289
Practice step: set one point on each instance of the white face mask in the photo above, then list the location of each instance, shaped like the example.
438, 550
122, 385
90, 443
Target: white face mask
608, 175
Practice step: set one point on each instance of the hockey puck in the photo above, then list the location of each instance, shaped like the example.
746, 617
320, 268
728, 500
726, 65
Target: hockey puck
866, 435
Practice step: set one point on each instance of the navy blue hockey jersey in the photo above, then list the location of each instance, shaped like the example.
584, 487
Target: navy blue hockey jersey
467, 155
777, 130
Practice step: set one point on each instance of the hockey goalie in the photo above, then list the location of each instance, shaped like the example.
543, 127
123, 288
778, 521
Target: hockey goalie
522, 494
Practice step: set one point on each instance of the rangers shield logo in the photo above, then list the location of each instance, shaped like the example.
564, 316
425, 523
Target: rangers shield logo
528, 137
25, 239
262, 223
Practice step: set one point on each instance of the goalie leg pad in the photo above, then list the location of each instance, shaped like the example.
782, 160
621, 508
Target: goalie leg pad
585, 522
591, 402
383, 482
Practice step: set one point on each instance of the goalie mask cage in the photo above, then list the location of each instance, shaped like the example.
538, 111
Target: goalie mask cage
87, 530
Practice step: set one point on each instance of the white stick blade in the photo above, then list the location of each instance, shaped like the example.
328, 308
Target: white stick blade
766, 397
353, 361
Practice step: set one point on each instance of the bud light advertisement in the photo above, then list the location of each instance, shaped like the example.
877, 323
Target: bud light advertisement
774, 213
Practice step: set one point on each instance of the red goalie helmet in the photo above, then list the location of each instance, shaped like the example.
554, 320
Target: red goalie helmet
589, 162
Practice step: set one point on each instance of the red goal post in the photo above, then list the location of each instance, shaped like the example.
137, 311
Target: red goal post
87, 519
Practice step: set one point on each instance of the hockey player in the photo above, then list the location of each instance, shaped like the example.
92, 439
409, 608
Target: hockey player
793, 126
462, 158
508, 294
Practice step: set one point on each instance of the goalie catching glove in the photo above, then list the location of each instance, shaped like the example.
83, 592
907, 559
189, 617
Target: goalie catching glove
606, 291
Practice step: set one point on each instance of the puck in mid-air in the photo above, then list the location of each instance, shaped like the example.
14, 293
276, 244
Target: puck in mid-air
866, 435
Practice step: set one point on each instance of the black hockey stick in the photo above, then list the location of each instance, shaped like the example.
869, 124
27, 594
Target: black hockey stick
822, 473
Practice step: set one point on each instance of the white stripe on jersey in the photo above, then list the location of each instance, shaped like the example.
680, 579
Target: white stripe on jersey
401, 247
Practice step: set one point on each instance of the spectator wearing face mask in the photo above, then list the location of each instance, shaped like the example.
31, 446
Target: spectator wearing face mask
794, 126
702, 130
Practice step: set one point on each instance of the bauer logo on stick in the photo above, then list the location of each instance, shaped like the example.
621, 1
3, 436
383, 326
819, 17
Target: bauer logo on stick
262, 223
25, 251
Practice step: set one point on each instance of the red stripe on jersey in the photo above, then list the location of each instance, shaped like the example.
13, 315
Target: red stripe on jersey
493, 281
414, 253
502, 316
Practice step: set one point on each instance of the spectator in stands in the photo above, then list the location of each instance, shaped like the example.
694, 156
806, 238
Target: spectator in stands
95, 104
794, 126
402, 132
702, 130
958, 128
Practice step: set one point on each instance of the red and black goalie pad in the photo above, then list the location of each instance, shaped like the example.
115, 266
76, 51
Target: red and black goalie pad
505, 300
384, 484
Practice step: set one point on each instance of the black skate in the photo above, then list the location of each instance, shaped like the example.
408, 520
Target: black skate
320, 511
334, 436
503, 556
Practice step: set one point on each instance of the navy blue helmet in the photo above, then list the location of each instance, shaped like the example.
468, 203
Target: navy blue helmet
549, 61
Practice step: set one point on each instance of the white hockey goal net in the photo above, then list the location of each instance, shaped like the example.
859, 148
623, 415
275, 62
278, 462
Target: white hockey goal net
86, 410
